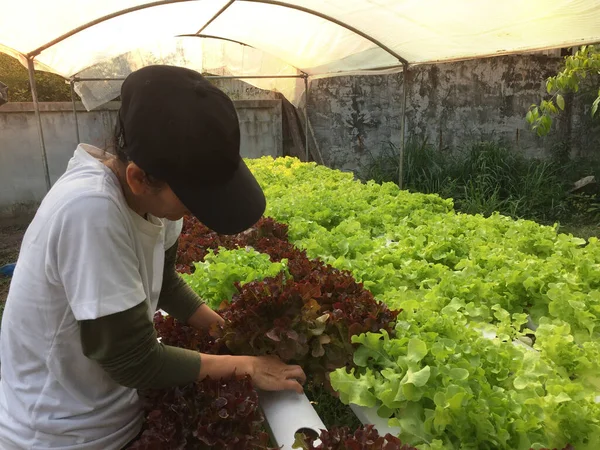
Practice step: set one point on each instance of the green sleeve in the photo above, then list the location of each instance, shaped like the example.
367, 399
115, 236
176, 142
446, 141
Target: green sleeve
176, 297
125, 345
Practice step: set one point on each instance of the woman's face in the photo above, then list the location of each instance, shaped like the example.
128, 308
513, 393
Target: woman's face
157, 199
166, 205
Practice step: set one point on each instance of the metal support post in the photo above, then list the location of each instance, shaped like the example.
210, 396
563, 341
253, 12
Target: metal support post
306, 130
72, 83
403, 125
36, 107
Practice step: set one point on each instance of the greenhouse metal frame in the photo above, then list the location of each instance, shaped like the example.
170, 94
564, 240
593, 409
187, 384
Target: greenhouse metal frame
566, 23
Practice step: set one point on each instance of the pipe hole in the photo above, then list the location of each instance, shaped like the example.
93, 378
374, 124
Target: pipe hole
308, 432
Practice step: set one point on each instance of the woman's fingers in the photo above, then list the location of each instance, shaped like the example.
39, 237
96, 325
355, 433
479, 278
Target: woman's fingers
296, 373
283, 385
274, 375
293, 385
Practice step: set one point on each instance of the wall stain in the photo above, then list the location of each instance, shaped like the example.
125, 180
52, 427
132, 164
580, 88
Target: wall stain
449, 104
359, 123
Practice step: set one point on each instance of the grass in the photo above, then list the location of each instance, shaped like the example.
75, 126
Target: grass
424, 168
485, 176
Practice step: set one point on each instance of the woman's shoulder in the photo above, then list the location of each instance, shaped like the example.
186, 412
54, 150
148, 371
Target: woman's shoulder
85, 188
78, 204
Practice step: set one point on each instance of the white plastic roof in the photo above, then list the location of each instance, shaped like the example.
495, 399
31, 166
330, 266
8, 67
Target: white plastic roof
316, 37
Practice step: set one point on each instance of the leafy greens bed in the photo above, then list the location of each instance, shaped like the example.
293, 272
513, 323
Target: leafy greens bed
275, 300
457, 371
488, 340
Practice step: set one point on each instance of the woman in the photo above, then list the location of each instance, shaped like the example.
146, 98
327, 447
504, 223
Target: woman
97, 261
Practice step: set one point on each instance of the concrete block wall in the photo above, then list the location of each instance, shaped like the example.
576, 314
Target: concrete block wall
22, 180
448, 104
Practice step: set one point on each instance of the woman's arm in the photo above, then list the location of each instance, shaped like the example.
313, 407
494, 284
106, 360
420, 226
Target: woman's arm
125, 346
204, 317
180, 301
267, 372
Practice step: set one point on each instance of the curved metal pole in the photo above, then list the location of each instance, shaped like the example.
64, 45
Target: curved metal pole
210, 36
403, 126
61, 38
36, 107
85, 26
213, 18
337, 22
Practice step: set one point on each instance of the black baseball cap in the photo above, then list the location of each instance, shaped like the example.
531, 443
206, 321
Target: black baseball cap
179, 128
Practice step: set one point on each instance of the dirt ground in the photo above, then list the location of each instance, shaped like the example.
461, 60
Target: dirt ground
10, 242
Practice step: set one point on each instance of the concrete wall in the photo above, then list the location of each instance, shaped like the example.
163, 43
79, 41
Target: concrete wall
353, 118
22, 182
448, 104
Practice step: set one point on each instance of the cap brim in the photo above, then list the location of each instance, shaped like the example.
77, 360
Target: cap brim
229, 208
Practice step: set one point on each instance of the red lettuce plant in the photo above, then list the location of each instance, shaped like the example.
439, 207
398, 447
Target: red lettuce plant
365, 438
196, 239
174, 333
309, 319
212, 414
308, 322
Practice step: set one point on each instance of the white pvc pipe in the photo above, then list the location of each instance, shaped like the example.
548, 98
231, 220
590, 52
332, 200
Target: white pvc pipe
369, 416
288, 412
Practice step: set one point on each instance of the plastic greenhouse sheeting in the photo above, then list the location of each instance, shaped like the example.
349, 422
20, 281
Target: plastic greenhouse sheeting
204, 55
316, 37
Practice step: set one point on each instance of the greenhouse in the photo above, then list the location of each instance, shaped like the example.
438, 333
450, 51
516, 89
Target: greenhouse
412, 319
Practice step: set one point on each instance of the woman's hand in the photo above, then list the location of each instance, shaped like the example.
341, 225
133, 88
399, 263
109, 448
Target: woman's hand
269, 373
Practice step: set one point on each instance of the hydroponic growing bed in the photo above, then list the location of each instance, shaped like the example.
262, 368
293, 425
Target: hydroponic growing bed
461, 332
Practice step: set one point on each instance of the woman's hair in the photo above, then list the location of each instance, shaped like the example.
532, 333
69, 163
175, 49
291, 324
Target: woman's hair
123, 156
119, 141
